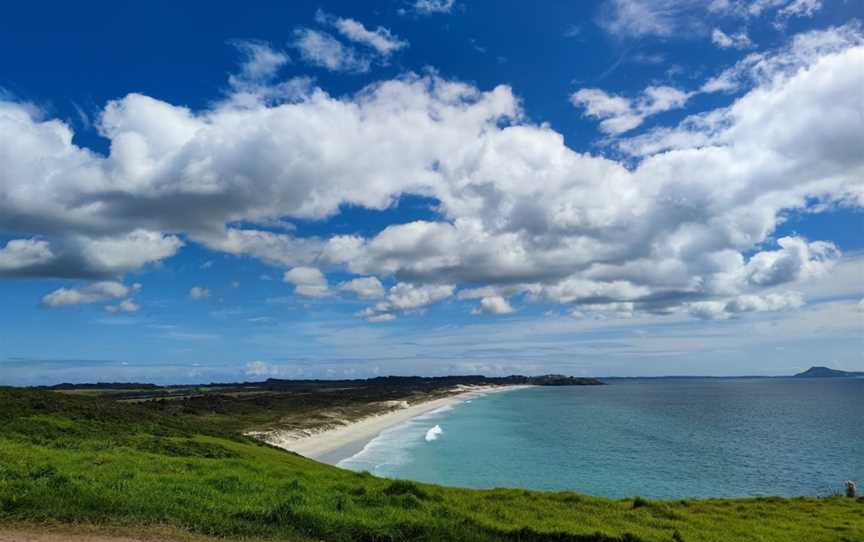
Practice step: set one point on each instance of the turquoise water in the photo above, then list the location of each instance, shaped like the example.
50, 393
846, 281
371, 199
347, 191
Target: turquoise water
655, 438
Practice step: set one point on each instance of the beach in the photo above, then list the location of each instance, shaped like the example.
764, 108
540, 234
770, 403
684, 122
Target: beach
333, 445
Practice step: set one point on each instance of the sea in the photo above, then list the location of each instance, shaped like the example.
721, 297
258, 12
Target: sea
655, 438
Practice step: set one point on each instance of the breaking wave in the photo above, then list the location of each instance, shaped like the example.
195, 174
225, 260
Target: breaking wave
433, 433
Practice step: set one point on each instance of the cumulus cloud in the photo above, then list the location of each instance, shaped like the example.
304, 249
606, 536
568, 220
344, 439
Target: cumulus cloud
20, 254
381, 39
127, 306
308, 282
92, 293
619, 114
769, 302
274, 248
118, 254
793, 76
322, 49
739, 40
198, 292
605, 311
405, 297
364, 287
517, 210
494, 305
762, 67
731, 308
796, 259
81, 256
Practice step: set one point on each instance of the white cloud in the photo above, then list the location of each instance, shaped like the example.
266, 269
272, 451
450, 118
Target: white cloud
708, 310
757, 8
619, 115
21, 254
405, 297
762, 67
587, 291
373, 316
272, 370
260, 62
769, 302
783, 81
518, 209
801, 8
739, 40
677, 18
494, 305
86, 256
322, 49
796, 260
198, 292
274, 248
364, 287
92, 293
841, 279
639, 18
427, 7
123, 253
603, 311
722, 310
127, 305
380, 39
308, 282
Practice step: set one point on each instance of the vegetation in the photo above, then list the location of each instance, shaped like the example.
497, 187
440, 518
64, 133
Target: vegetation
297, 404
68, 458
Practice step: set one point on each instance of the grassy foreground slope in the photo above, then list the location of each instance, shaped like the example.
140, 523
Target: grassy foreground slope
67, 459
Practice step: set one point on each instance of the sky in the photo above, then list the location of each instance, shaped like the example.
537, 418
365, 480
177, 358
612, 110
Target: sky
207, 191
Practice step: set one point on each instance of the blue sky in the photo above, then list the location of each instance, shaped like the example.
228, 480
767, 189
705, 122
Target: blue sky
207, 192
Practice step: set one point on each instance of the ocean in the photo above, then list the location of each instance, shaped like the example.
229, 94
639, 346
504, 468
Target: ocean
656, 438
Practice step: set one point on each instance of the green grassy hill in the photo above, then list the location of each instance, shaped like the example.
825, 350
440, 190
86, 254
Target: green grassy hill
80, 459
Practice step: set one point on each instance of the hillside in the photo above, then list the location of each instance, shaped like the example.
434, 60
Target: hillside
70, 459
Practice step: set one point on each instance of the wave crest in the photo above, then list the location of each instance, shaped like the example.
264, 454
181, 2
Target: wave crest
433, 433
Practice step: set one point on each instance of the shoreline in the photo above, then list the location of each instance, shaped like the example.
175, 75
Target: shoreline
339, 443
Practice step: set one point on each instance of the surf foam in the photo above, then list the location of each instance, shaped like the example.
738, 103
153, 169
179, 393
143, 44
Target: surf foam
433, 433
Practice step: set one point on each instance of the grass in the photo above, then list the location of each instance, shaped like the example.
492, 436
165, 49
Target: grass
67, 459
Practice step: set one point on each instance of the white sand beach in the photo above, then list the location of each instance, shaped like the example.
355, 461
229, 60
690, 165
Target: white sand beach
333, 445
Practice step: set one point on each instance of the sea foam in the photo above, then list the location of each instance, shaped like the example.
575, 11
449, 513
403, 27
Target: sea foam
433, 433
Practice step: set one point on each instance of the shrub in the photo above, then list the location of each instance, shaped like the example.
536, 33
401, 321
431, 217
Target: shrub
639, 502
404, 487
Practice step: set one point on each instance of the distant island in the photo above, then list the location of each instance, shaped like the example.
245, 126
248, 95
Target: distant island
827, 372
